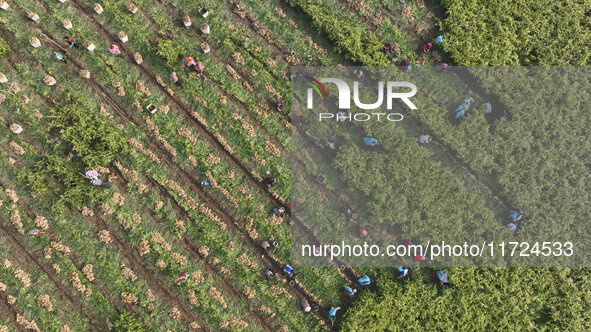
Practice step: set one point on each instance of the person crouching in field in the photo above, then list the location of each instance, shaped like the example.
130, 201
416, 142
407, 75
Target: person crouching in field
175, 79
196, 65
69, 41
114, 49
279, 104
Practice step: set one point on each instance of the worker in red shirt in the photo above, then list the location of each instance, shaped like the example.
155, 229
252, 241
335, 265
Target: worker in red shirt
279, 104
69, 41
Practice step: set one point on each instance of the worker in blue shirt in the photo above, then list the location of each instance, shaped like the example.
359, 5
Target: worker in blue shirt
364, 280
332, 313
402, 272
288, 271
349, 291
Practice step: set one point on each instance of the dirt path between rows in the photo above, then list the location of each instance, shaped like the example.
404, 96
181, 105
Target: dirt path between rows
10, 312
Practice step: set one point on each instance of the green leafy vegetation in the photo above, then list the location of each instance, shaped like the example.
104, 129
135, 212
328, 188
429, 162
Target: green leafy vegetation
95, 140
4, 48
529, 33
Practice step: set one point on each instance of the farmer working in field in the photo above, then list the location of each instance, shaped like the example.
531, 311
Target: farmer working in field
350, 291
93, 176
200, 70
515, 215
405, 65
99, 183
370, 141
364, 280
69, 41
358, 73
196, 65
175, 79
418, 258
512, 226
278, 212
426, 47
442, 276
402, 272
191, 62
388, 48
35, 232
342, 116
182, 277
270, 182
345, 211
265, 247
331, 140
59, 57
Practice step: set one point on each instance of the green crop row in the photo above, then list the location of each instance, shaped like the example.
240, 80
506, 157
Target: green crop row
350, 37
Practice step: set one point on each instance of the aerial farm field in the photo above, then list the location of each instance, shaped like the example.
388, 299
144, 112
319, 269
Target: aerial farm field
169, 237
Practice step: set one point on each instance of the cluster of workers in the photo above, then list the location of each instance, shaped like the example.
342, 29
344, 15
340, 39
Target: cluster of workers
363, 281
114, 49
95, 179
405, 64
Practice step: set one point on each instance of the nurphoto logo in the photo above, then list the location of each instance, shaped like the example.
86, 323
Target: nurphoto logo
345, 93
